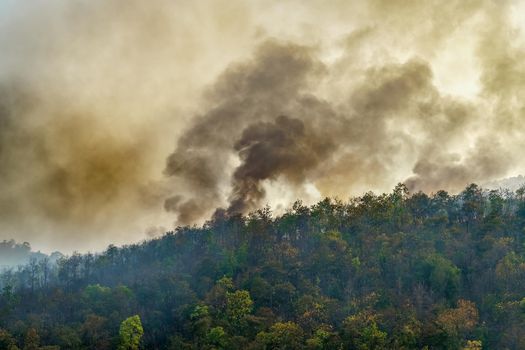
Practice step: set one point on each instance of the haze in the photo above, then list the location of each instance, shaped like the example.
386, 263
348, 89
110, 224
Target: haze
122, 119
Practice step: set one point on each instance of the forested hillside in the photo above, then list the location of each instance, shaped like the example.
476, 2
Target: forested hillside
391, 271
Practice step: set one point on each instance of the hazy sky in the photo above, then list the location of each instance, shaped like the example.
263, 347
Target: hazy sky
123, 118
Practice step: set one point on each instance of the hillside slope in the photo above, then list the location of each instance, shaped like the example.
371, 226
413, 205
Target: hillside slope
391, 271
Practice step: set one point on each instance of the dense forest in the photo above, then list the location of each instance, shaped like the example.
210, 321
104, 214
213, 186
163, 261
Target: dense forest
390, 271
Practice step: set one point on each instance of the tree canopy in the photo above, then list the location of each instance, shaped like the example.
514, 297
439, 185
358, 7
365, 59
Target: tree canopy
388, 271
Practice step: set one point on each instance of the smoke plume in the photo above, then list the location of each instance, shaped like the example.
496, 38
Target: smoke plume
119, 118
268, 150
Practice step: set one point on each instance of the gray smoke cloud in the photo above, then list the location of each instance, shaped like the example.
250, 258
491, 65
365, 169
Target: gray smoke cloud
249, 105
88, 110
389, 119
243, 100
279, 129
267, 150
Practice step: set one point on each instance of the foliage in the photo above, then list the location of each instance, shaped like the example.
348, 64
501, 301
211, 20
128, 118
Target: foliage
130, 333
389, 271
287, 335
238, 305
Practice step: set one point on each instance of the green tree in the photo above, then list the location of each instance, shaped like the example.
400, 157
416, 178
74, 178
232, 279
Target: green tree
282, 336
239, 304
440, 274
361, 332
200, 323
217, 338
216, 297
130, 333
323, 339
472, 208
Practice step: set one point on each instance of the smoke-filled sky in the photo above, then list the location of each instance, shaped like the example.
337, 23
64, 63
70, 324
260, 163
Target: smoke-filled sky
120, 119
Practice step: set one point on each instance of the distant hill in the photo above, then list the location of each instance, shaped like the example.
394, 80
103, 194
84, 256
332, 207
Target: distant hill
13, 254
511, 183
